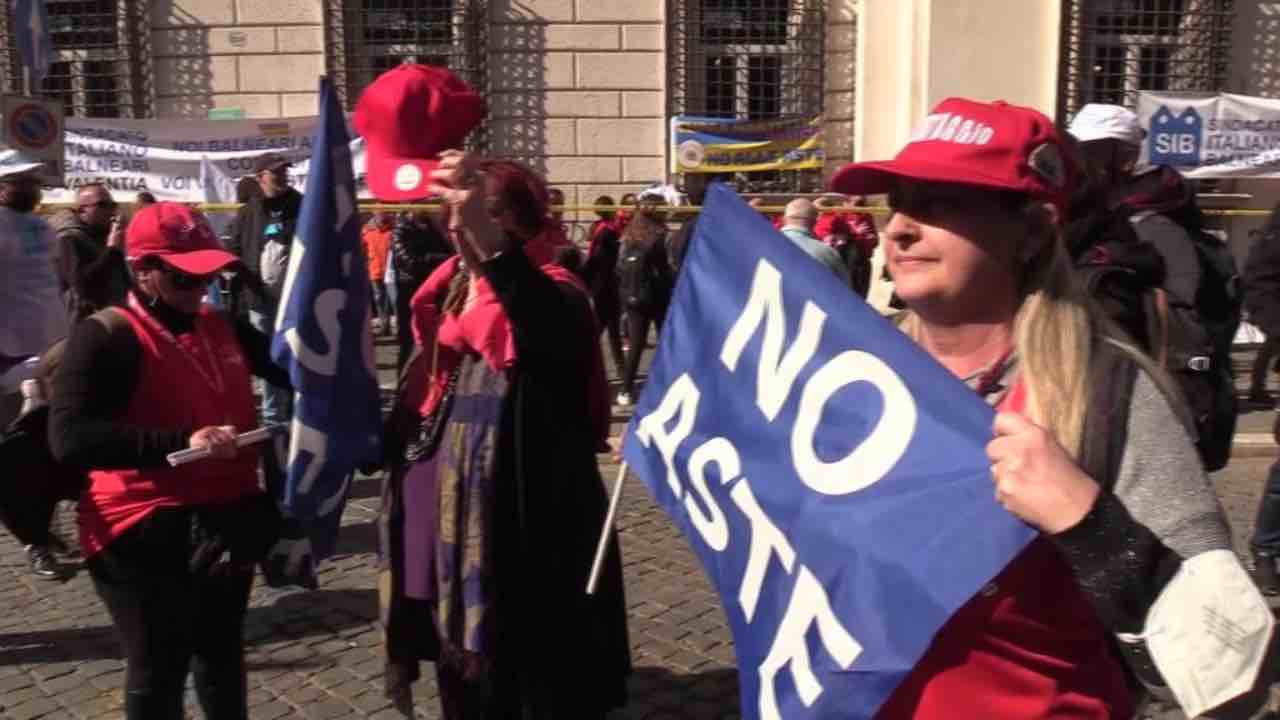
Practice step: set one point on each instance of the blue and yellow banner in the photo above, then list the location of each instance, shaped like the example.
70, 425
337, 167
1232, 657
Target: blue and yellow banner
718, 145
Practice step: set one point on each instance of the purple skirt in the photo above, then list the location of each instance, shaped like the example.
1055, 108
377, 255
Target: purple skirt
421, 528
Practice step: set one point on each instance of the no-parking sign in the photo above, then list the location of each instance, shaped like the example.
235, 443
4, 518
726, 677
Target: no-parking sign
34, 127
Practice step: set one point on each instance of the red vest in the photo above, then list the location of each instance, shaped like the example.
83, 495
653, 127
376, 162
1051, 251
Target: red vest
190, 381
1028, 645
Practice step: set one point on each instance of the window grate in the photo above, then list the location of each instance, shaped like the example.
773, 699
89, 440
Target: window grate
364, 38
101, 62
1112, 49
749, 59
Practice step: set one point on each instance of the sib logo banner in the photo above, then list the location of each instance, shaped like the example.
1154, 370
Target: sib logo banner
1175, 139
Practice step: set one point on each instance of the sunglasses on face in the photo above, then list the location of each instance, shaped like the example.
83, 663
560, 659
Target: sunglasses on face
108, 204
185, 281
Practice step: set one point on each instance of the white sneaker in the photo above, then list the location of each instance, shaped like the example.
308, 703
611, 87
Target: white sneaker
624, 399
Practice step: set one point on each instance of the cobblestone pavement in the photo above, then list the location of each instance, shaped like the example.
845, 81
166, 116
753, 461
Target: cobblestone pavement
316, 654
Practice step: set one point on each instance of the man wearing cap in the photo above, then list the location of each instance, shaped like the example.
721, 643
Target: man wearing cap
170, 549
34, 316
798, 221
261, 236
92, 238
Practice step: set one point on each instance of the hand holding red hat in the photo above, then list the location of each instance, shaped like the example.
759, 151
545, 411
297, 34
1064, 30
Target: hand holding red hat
457, 181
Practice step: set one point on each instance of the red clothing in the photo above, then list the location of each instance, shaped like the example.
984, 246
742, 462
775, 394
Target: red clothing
859, 227
194, 380
377, 243
1029, 645
483, 328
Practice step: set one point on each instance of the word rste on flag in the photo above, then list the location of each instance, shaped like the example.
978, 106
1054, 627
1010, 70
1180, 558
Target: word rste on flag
829, 474
323, 339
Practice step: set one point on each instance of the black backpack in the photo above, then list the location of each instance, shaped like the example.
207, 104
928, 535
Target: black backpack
1192, 343
637, 277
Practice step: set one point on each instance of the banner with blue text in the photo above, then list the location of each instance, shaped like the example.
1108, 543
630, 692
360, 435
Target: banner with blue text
829, 474
1211, 136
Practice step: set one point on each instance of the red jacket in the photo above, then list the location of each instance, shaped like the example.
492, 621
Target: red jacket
1029, 645
193, 380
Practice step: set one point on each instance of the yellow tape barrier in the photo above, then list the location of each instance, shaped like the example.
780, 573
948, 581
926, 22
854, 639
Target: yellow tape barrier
672, 210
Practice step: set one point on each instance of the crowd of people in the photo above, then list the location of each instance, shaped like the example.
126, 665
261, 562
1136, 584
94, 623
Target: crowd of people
999, 255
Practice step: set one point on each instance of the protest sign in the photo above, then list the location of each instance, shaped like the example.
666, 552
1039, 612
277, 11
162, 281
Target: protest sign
829, 474
716, 145
1211, 136
164, 157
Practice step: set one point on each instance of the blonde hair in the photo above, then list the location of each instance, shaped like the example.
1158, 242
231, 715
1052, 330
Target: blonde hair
1054, 332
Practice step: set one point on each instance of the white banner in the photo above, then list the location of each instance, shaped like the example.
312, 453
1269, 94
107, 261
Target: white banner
1211, 136
164, 157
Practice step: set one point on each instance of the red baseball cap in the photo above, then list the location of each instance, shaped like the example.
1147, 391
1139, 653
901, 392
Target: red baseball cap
178, 235
407, 116
993, 145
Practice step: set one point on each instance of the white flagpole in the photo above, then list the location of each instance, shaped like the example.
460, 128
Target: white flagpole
605, 531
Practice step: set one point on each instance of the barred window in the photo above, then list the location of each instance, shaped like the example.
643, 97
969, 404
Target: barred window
1112, 49
748, 59
101, 67
364, 38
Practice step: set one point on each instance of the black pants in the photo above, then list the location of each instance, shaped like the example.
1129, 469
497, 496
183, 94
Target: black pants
382, 310
1262, 363
638, 322
611, 324
170, 621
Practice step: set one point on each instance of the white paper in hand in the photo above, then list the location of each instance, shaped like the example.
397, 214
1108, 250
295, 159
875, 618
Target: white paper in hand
1208, 632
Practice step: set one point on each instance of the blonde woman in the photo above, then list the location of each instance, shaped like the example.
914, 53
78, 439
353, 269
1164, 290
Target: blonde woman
1088, 448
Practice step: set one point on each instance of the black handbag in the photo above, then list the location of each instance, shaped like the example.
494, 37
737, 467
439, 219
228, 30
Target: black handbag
235, 534
423, 442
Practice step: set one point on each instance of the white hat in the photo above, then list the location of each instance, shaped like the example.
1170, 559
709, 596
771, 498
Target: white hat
1098, 121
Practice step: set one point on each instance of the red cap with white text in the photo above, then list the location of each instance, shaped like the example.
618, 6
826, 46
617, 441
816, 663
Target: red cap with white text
993, 145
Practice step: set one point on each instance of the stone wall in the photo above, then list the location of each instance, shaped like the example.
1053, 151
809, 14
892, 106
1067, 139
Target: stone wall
577, 91
576, 87
262, 56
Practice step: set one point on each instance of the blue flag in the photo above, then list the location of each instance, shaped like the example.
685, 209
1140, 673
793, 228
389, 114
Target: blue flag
830, 475
323, 339
31, 35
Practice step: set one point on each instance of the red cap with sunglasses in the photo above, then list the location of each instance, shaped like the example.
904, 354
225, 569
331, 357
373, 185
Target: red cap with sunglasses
994, 145
177, 235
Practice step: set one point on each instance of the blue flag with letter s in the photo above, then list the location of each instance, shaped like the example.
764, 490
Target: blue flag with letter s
323, 339
830, 475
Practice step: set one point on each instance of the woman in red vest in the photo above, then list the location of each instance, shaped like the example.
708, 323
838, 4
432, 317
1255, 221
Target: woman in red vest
170, 549
1132, 580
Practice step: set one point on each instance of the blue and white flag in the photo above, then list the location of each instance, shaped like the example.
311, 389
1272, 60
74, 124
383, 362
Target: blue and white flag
31, 35
830, 475
323, 339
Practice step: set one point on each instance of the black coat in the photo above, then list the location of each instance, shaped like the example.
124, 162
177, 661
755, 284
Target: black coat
1262, 279
246, 241
567, 652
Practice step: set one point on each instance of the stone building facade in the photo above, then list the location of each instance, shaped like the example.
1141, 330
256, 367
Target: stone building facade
584, 89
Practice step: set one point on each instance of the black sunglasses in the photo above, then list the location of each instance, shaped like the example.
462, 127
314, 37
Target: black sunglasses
101, 203
185, 281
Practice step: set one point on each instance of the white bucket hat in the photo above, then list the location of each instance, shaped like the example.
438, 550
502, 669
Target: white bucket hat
1098, 121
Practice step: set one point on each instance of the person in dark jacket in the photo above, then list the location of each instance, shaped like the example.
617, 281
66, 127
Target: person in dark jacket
1262, 300
643, 243
511, 383
602, 258
417, 249
261, 236
91, 237
170, 550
